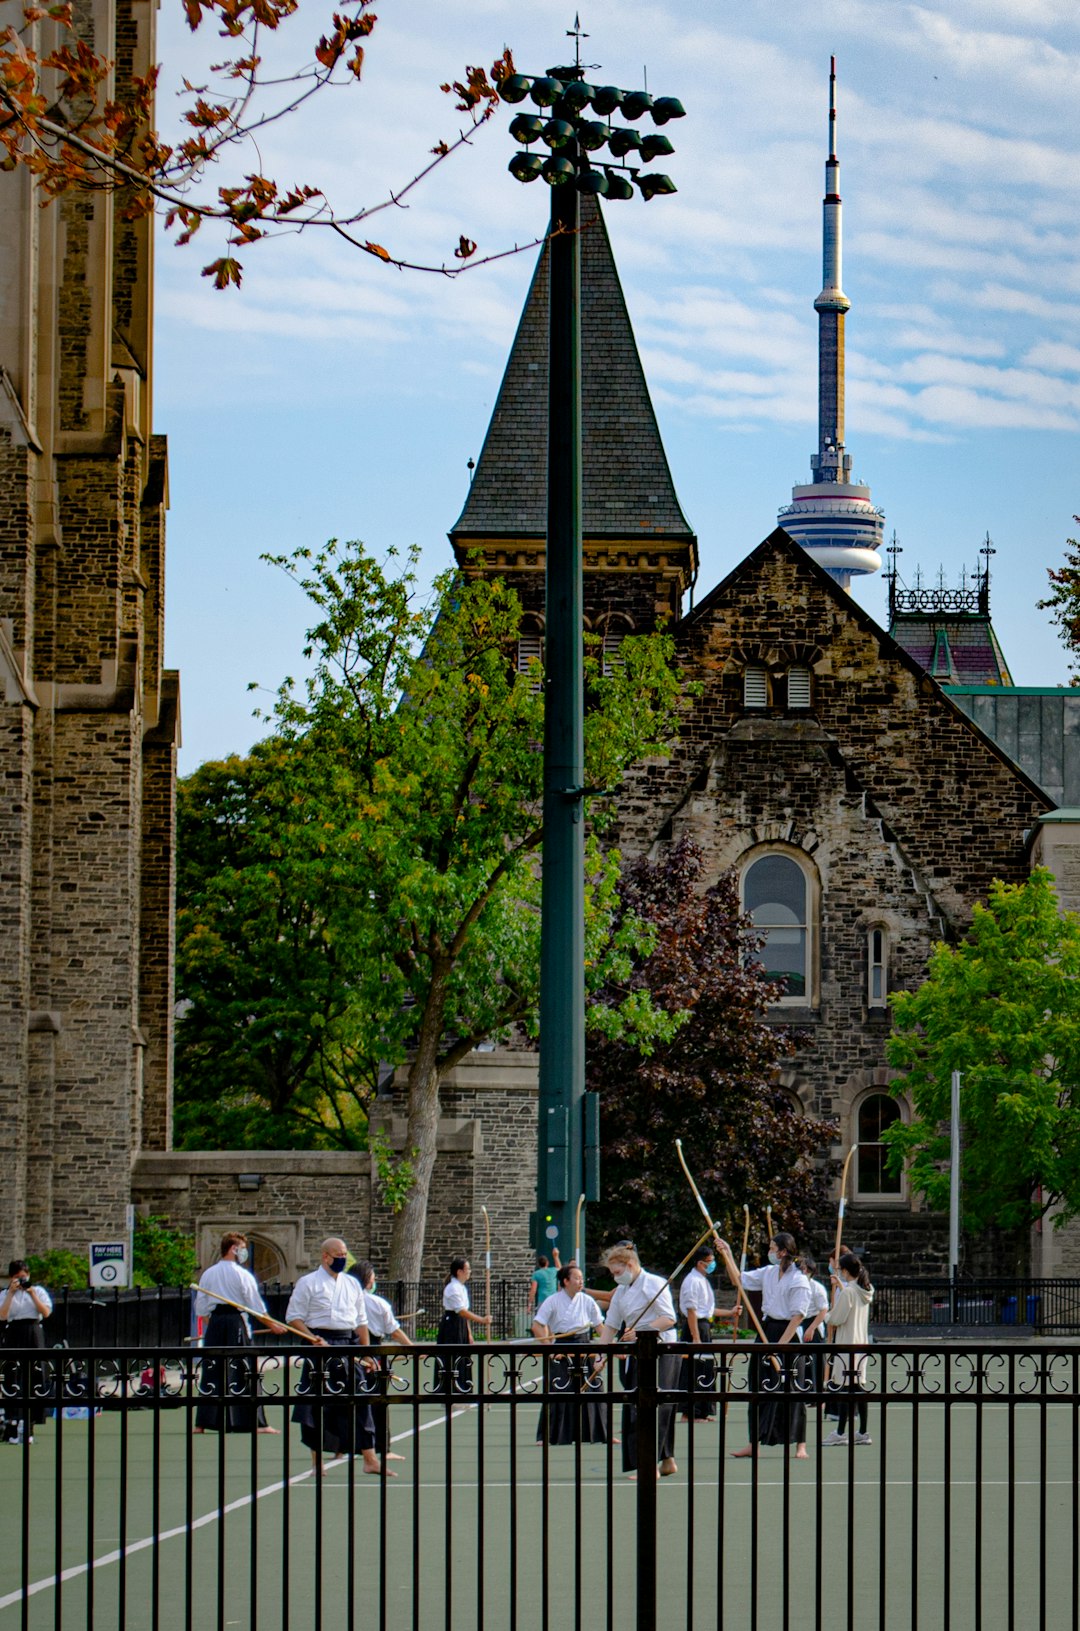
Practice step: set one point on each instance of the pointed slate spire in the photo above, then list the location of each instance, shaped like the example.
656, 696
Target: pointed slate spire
628, 498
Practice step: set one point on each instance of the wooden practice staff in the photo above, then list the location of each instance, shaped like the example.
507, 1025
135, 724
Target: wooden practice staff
724, 1249
265, 1319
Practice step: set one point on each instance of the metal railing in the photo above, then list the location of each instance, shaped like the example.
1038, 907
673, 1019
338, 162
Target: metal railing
1038, 1306
955, 1506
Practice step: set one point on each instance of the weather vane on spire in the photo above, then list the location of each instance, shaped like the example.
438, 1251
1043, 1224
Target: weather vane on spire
577, 35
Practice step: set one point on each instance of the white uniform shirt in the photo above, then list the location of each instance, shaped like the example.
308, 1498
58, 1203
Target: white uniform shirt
22, 1305
382, 1321
819, 1299
782, 1295
696, 1293
562, 1313
455, 1296
629, 1301
328, 1302
230, 1280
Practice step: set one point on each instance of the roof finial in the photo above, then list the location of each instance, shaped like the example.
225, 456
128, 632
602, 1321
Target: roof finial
577, 35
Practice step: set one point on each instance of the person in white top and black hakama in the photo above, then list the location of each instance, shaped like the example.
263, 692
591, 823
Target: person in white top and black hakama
785, 1303
233, 1387
23, 1307
569, 1319
455, 1325
383, 1327
334, 1415
697, 1305
813, 1335
635, 1291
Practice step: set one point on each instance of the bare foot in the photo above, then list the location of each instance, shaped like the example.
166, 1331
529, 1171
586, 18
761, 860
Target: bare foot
801, 1453
667, 1466
379, 1472
276, 1430
198, 1429
740, 1455
392, 1456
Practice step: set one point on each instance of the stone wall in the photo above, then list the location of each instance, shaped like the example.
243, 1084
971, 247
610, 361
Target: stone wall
486, 1157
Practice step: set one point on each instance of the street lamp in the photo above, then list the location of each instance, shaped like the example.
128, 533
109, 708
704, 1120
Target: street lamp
575, 130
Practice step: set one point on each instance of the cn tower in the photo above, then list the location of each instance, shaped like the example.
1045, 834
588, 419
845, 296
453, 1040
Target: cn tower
833, 517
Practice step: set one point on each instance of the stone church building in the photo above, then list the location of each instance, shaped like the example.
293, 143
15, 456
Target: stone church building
867, 785
88, 713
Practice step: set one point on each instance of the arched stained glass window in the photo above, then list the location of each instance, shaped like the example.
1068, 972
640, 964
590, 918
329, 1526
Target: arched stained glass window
775, 895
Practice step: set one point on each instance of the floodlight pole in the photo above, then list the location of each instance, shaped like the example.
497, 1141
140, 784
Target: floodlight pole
561, 1155
954, 1193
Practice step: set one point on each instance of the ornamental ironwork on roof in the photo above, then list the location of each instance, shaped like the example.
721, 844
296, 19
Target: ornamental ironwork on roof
948, 629
627, 490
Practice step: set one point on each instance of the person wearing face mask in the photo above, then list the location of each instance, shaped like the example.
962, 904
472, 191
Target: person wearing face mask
646, 1298
785, 1303
329, 1305
697, 1305
568, 1318
849, 1319
229, 1328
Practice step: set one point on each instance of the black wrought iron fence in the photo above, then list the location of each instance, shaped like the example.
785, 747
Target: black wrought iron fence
952, 1503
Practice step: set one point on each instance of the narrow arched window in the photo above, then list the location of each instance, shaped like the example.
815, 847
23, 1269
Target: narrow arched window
755, 686
776, 897
876, 1112
798, 686
877, 968
611, 640
530, 651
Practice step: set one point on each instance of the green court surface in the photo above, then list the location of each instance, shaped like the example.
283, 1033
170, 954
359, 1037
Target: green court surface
957, 1516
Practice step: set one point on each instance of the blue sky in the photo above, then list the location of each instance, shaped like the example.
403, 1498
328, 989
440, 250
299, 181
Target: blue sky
333, 397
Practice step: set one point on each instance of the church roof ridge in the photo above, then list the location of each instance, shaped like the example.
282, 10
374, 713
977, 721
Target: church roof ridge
627, 487
779, 540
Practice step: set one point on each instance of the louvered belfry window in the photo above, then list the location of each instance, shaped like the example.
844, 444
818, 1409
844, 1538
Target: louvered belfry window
798, 686
755, 686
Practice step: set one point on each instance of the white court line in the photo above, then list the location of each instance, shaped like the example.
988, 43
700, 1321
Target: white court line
197, 1523
763, 1483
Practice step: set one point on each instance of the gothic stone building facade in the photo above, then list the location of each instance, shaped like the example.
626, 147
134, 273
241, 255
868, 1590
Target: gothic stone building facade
88, 713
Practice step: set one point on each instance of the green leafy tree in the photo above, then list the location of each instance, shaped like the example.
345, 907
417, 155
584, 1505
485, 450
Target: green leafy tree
713, 1081
163, 1256
274, 977
1063, 603
1003, 1007
414, 792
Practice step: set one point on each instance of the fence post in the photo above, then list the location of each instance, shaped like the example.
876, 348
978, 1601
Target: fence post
646, 1347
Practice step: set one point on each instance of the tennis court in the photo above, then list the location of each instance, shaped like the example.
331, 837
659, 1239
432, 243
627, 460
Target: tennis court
962, 1513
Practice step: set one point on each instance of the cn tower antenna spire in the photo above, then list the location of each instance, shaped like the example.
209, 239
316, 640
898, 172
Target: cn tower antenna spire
833, 517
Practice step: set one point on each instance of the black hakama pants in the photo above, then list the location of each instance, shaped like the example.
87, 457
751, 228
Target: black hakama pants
232, 1384
454, 1333
669, 1371
24, 1334
332, 1408
780, 1419
704, 1405
576, 1416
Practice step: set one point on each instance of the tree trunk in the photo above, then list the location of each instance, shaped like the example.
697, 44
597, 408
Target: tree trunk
421, 1139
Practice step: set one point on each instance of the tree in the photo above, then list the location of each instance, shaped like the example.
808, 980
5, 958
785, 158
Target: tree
274, 980
79, 124
1003, 1007
1063, 602
416, 780
713, 1083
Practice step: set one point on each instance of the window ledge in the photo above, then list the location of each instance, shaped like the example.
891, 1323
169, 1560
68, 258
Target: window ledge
794, 1014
